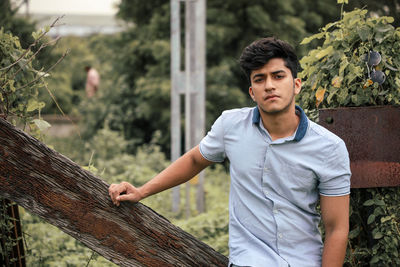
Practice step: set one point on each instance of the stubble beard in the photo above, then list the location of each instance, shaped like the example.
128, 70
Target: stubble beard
281, 110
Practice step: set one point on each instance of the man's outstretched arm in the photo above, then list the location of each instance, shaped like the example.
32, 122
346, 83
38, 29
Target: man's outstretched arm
180, 171
335, 216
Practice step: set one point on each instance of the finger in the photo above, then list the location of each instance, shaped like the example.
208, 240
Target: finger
115, 191
111, 192
110, 189
127, 197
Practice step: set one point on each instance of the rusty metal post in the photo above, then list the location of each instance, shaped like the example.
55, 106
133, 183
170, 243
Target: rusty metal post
372, 137
17, 256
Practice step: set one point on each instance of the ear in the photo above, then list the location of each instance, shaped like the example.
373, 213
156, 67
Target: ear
251, 93
297, 86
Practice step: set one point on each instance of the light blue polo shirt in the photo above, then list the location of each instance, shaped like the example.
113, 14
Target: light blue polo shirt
275, 187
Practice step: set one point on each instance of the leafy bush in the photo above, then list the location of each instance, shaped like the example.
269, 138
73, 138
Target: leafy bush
19, 87
337, 74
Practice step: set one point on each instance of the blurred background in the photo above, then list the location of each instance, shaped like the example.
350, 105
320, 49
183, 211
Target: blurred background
122, 131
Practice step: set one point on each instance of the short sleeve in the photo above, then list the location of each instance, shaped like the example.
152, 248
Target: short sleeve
212, 145
335, 180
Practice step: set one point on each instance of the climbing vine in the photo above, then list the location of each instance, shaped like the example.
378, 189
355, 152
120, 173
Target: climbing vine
19, 90
358, 64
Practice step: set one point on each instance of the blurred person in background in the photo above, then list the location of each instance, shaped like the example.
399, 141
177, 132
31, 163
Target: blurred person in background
92, 81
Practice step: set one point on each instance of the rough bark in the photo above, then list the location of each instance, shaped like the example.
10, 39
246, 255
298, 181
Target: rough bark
50, 185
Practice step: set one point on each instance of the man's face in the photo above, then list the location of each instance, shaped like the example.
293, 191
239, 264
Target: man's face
273, 87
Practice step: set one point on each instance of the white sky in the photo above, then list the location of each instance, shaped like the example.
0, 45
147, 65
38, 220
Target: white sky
81, 7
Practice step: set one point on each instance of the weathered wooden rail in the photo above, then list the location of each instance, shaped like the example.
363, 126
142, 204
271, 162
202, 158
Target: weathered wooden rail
53, 187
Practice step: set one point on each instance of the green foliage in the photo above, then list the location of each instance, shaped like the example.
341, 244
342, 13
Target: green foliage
379, 7
336, 74
19, 81
374, 238
67, 81
6, 231
19, 86
18, 26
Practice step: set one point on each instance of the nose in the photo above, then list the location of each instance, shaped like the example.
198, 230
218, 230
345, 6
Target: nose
269, 85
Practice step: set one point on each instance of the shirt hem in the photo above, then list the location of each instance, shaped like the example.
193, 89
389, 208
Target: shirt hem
334, 195
208, 158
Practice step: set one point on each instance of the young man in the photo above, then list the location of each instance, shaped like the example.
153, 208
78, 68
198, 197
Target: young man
281, 165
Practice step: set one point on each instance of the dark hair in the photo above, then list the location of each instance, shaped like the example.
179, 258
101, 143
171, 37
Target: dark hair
258, 53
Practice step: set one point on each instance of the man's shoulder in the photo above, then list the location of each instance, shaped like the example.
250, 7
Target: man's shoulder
237, 115
238, 111
323, 133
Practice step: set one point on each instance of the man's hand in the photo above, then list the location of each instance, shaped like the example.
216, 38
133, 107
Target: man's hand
180, 171
131, 193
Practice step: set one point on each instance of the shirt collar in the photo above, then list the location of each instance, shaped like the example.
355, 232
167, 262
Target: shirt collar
301, 129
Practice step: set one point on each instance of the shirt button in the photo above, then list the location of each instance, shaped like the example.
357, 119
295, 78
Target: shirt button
280, 235
266, 169
275, 211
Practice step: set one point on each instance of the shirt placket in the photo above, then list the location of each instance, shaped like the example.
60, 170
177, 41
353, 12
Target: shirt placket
266, 185
268, 193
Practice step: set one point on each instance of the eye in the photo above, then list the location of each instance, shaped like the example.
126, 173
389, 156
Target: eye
279, 76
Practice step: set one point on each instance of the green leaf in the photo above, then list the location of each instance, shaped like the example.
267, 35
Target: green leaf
355, 99
35, 35
369, 202
377, 235
41, 124
332, 93
344, 63
379, 202
324, 52
371, 219
32, 105
354, 233
363, 32
312, 37
374, 259
343, 95
386, 218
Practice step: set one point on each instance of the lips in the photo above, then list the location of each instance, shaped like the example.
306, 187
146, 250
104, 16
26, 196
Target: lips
271, 97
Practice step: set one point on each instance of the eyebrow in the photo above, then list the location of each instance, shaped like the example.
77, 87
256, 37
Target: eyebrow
263, 75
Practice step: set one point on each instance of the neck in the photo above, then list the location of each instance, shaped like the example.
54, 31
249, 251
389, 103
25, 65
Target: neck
282, 124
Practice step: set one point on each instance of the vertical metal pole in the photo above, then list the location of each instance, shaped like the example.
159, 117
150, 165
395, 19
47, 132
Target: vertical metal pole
175, 96
27, 8
189, 75
201, 85
193, 82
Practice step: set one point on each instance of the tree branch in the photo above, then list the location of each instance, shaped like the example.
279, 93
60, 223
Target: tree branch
53, 187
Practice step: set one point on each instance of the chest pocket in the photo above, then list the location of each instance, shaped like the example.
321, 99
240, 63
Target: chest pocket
297, 184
